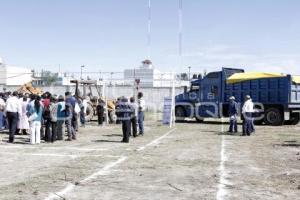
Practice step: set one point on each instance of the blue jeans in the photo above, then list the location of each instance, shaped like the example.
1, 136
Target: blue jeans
2, 120
248, 125
141, 122
233, 124
82, 118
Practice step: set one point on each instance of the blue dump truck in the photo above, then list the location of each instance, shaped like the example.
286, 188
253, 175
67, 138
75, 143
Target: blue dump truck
276, 96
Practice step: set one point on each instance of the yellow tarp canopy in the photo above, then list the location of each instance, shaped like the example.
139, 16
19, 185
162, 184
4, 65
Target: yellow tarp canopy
240, 77
296, 79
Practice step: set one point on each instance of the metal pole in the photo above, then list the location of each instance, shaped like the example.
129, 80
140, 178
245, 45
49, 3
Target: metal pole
189, 73
82, 66
149, 30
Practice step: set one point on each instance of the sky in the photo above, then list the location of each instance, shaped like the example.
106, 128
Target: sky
111, 35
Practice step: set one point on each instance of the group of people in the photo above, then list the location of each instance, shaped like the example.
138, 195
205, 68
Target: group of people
247, 112
131, 114
42, 116
45, 116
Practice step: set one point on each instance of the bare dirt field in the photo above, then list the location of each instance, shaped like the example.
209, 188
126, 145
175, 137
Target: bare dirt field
189, 161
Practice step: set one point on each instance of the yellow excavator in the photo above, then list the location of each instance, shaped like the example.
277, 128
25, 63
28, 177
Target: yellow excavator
29, 89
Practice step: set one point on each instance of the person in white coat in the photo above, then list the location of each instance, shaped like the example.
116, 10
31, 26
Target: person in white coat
23, 119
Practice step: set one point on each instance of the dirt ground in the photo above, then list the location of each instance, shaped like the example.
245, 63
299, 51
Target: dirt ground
189, 161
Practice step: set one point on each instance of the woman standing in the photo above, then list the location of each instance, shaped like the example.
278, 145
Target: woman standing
23, 122
36, 113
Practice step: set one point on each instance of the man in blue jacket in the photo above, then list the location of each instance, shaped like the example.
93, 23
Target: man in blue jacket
70, 116
233, 112
124, 111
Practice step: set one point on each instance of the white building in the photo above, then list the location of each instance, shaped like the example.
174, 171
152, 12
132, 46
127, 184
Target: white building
150, 77
15, 76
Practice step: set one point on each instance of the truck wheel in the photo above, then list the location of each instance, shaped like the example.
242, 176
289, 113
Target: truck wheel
199, 119
179, 114
273, 117
295, 118
258, 122
89, 113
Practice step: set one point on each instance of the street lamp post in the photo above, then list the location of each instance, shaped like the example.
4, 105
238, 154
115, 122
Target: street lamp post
82, 66
189, 72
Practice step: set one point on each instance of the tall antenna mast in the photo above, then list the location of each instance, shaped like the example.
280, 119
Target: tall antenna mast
180, 27
149, 30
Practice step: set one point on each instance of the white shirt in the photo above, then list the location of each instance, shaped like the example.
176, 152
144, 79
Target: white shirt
2, 102
141, 104
85, 105
248, 106
13, 105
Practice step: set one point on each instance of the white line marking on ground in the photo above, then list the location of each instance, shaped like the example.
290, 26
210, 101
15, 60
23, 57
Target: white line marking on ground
223, 182
41, 148
104, 171
156, 141
56, 155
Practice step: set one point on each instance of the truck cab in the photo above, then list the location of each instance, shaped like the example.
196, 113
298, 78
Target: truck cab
204, 96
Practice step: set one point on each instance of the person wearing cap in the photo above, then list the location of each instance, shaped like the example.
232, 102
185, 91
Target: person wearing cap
233, 112
124, 112
247, 110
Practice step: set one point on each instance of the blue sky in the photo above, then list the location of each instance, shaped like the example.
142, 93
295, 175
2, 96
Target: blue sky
111, 35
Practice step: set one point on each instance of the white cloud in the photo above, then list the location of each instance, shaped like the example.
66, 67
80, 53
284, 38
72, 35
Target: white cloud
213, 58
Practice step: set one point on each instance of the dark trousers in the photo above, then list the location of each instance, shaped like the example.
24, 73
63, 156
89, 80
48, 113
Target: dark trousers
141, 122
126, 130
53, 131
60, 129
82, 118
75, 121
248, 126
100, 118
70, 127
134, 126
48, 132
2, 120
233, 124
12, 118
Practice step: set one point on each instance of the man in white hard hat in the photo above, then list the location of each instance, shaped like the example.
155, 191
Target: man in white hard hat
247, 110
233, 112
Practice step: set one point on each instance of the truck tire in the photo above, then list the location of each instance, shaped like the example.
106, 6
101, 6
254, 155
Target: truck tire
199, 119
273, 117
89, 113
258, 122
179, 114
295, 118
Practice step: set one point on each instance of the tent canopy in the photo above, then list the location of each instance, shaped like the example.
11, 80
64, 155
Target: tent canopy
240, 77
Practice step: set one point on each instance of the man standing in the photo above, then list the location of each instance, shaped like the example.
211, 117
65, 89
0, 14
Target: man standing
233, 112
70, 116
141, 109
100, 111
133, 116
124, 113
2, 109
247, 111
13, 111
